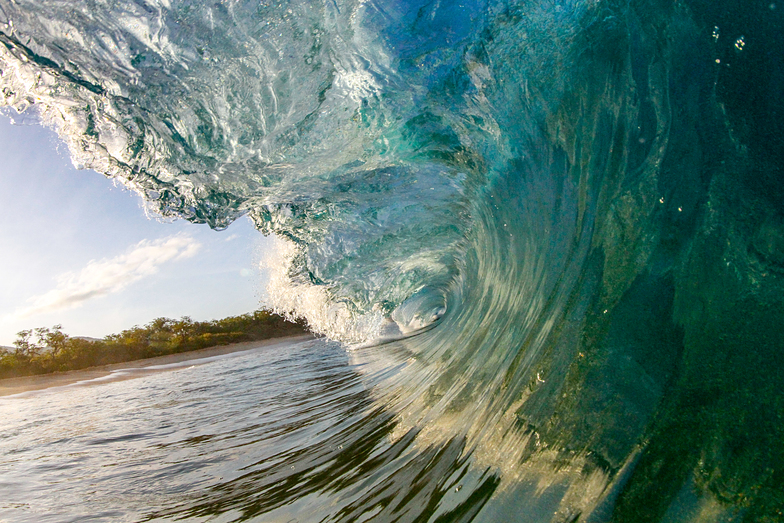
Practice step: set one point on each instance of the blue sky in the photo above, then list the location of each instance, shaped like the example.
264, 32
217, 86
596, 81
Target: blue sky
78, 251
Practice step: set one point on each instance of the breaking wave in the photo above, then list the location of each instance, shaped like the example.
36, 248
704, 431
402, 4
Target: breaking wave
566, 215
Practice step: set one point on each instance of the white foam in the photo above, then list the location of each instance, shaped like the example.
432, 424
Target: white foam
313, 302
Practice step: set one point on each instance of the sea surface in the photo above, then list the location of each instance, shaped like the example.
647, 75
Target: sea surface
158, 444
546, 239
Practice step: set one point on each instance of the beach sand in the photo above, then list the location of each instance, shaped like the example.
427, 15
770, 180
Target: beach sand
10, 386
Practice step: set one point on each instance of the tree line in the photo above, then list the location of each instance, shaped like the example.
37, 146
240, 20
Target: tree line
44, 350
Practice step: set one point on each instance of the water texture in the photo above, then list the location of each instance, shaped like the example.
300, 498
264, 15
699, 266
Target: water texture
565, 218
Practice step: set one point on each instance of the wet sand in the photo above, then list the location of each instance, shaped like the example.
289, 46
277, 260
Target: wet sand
10, 386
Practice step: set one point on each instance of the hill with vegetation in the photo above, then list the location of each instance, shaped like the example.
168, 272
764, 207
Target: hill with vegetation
45, 350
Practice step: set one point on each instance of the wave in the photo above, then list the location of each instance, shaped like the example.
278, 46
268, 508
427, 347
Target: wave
566, 214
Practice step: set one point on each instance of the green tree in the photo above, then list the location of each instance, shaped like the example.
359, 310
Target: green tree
182, 331
26, 348
55, 339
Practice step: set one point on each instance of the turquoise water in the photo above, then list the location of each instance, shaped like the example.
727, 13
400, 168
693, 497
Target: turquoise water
546, 238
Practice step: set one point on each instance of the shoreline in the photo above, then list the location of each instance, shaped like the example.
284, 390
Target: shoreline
22, 384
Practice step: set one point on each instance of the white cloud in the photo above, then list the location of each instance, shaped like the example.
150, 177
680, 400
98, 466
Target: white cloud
108, 276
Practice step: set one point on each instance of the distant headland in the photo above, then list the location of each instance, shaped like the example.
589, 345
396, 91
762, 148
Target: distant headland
48, 350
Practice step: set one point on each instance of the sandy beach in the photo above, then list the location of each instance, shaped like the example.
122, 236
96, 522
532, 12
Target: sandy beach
10, 386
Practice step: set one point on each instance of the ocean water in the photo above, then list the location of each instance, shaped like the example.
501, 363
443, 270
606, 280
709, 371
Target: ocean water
546, 238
